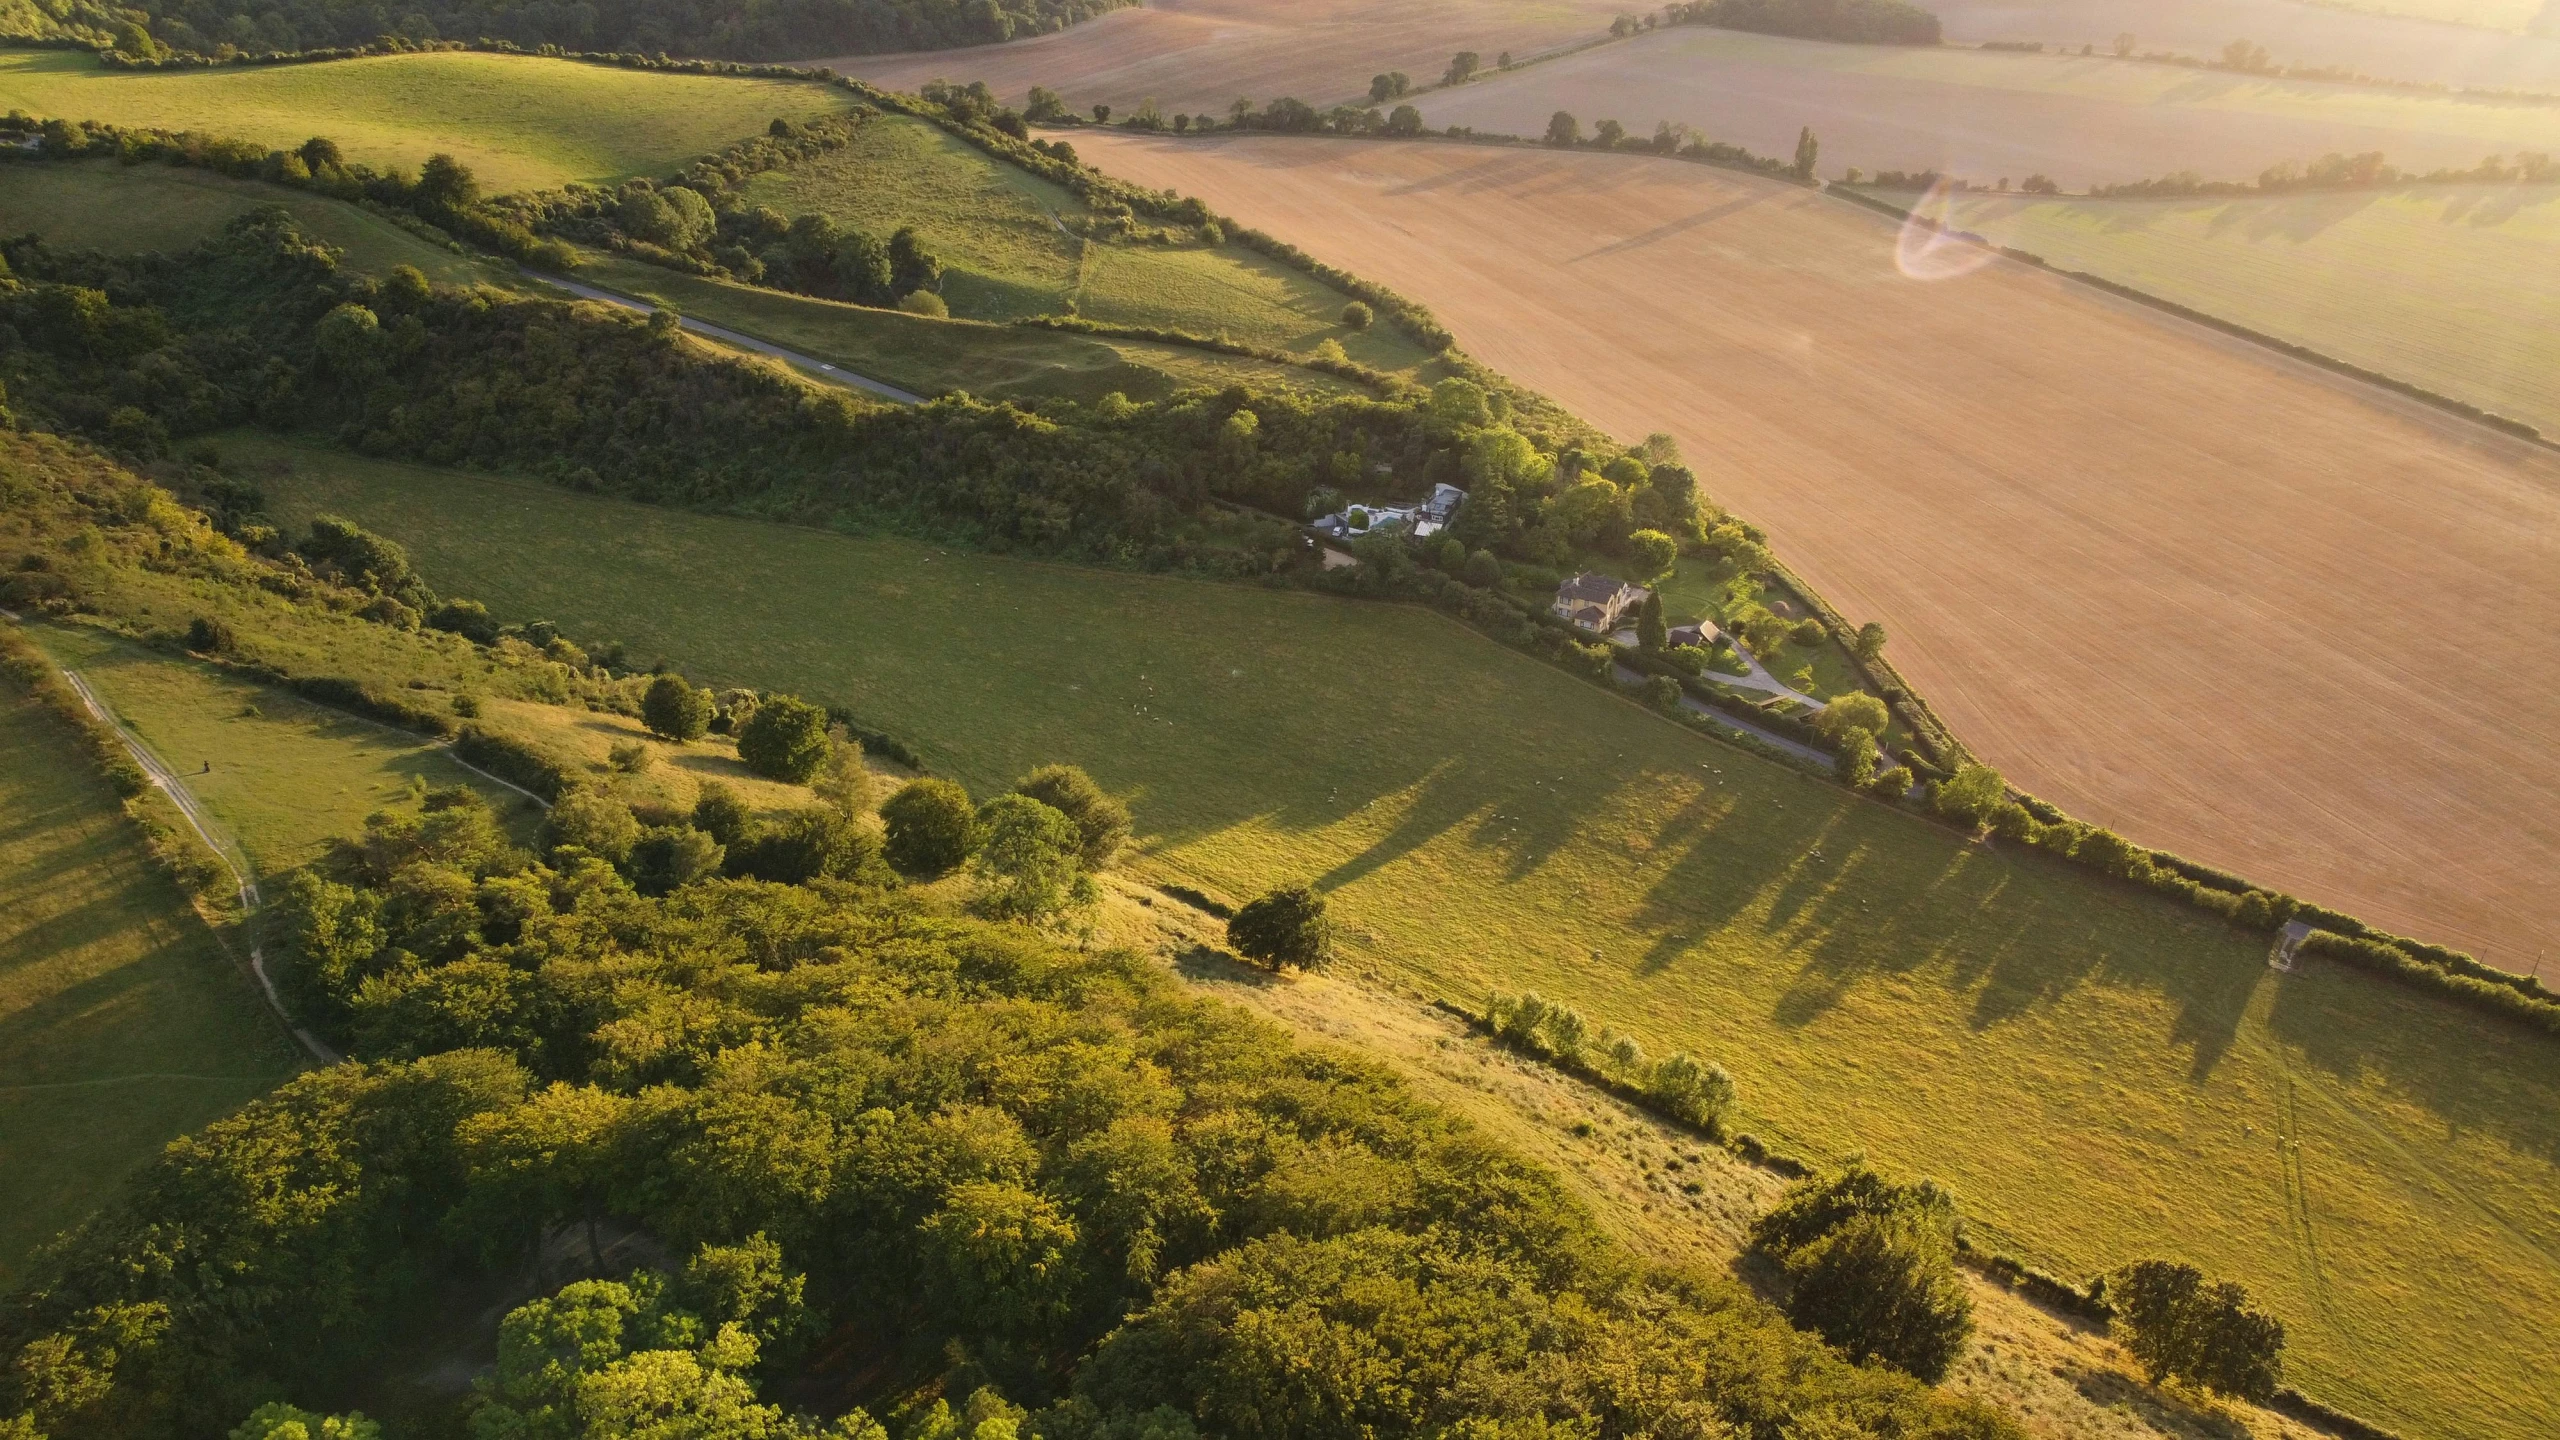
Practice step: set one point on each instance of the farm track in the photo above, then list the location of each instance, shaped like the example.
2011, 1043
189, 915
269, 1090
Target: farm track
2226, 603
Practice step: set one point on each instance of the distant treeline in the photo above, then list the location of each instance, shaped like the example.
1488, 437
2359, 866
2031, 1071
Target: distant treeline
2365, 171
1866, 22
751, 30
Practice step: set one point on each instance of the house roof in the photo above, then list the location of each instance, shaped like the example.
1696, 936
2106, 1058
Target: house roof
1592, 586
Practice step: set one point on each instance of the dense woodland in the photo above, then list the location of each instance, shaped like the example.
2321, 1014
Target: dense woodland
1870, 22
754, 30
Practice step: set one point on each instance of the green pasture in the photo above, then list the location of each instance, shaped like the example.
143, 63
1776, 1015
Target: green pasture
130, 208
123, 1024
1006, 255
2446, 286
287, 776
520, 122
2099, 1074
934, 357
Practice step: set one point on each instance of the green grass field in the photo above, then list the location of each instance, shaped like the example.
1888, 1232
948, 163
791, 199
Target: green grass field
1005, 256
125, 208
2446, 286
123, 1024
520, 122
933, 357
2100, 1075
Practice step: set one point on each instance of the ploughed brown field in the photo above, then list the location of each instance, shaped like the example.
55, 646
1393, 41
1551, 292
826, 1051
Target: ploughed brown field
2230, 605
1200, 56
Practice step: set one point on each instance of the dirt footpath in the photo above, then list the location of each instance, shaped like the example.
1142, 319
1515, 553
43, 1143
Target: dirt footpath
2221, 601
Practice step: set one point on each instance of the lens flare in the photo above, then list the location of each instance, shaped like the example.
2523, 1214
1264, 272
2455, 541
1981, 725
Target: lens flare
1929, 248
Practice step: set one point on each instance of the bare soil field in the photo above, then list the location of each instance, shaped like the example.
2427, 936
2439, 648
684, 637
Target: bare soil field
1202, 55
2227, 604
2391, 46
1984, 115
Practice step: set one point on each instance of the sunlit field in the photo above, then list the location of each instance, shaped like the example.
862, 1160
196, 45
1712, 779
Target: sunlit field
2099, 1075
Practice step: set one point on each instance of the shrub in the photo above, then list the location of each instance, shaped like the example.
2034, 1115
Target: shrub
1970, 795
814, 842
672, 708
1283, 928
1483, 571
1699, 1094
467, 618
1854, 711
1855, 761
1358, 316
925, 302
932, 827
630, 756
786, 739
666, 857
842, 779
598, 824
719, 813
209, 636
2177, 1323
1102, 822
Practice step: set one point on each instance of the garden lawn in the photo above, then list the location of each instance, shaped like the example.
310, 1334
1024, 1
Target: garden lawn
520, 122
936, 357
132, 208
1006, 255
2098, 1074
123, 1024
2446, 286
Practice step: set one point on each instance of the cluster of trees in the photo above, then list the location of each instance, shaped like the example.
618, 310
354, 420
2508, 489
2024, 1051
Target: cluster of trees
1676, 1084
443, 197
1669, 137
1865, 22
260, 326
2365, 171
760, 29
1870, 1263
1134, 1211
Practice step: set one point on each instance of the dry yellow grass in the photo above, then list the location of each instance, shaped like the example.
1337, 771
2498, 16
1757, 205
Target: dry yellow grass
1200, 55
2225, 603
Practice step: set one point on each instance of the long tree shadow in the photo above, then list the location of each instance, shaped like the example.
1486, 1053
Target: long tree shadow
2473, 1071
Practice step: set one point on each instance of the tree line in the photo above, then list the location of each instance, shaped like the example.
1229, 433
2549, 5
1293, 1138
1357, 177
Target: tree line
1865, 22
758, 30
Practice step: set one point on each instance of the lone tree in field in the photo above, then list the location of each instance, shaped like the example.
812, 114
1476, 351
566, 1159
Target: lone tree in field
1563, 129
1285, 927
932, 828
1102, 822
2178, 1323
786, 739
674, 710
1871, 1265
1808, 149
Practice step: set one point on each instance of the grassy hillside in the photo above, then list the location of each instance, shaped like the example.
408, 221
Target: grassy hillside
2099, 1075
122, 1023
106, 206
1006, 255
933, 357
2447, 286
519, 122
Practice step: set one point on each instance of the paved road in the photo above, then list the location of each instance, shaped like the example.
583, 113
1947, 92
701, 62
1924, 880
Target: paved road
1695, 706
822, 369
